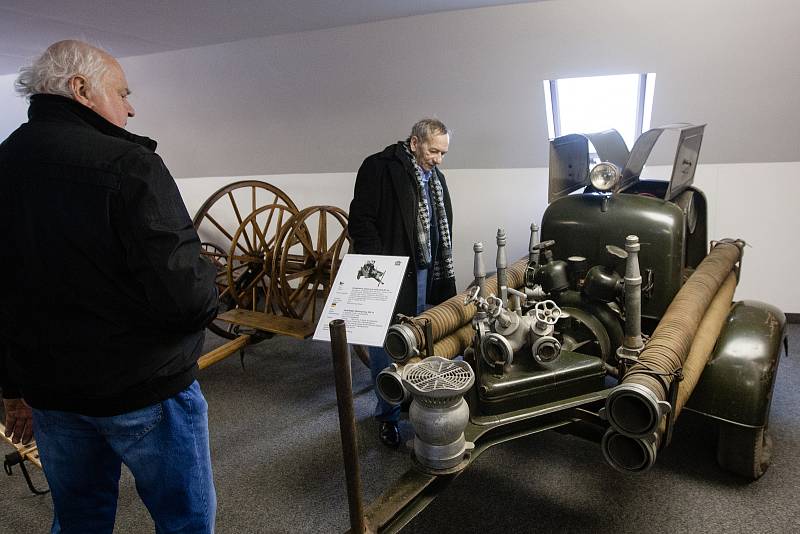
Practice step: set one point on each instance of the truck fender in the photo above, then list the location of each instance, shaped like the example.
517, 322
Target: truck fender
737, 383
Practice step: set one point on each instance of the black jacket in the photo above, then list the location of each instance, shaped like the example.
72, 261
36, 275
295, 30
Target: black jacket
383, 218
105, 294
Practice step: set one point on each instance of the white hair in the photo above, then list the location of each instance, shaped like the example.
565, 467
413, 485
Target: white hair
51, 72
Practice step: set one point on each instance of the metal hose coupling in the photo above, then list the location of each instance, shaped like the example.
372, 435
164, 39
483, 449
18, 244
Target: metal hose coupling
401, 342
628, 454
439, 413
389, 384
634, 411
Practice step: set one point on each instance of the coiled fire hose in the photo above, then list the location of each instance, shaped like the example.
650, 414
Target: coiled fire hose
682, 342
454, 344
705, 340
446, 318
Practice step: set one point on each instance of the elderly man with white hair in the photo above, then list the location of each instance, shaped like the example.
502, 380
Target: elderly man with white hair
105, 304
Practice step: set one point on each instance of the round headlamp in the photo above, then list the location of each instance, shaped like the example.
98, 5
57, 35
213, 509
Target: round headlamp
604, 176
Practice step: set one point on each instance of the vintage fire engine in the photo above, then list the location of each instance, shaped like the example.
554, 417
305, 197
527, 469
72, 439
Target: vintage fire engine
620, 317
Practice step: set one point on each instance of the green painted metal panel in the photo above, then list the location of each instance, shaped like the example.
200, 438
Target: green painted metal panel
582, 225
737, 383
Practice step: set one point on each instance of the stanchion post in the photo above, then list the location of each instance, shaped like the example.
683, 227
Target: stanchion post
347, 423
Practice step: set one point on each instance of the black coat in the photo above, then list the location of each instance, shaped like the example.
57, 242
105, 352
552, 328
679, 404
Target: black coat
110, 295
383, 215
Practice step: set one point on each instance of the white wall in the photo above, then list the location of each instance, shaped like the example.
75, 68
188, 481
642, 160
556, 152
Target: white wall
740, 206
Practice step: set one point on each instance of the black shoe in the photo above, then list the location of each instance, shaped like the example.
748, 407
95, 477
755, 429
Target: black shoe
389, 434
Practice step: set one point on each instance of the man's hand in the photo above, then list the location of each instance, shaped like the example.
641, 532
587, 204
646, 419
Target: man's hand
19, 420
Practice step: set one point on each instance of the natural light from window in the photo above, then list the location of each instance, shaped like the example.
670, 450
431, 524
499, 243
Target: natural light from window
597, 103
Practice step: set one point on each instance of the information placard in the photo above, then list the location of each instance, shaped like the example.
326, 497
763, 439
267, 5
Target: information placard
363, 294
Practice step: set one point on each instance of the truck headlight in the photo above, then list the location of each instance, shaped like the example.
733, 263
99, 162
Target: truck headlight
604, 176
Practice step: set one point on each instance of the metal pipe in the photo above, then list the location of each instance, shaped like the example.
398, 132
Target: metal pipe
478, 270
533, 252
633, 296
502, 263
347, 423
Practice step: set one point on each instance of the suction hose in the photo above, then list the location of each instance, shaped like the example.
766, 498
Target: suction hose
638, 454
406, 340
635, 409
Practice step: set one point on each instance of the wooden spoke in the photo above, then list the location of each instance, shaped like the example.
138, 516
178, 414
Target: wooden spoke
251, 275
266, 244
226, 291
309, 299
238, 267
303, 238
219, 227
337, 245
267, 288
238, 215
322, 233
215, 256
298, 274
253, 209
299, 292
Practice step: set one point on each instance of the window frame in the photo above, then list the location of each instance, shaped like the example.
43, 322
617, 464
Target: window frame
644, 104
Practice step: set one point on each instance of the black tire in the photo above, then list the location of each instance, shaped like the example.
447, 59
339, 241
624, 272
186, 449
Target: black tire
744, 451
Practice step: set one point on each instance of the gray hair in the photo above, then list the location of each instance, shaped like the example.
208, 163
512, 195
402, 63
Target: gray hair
426, 128
51, 72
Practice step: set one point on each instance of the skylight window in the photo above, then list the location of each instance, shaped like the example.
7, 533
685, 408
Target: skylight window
593, 104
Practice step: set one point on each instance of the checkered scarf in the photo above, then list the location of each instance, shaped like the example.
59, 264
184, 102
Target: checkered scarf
443, 264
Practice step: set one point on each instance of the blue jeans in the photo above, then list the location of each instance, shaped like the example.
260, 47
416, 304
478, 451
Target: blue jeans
379, 359
164, 445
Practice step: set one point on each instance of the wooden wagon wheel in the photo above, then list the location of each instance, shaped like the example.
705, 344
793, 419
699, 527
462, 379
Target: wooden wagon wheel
249, 268
216, 222
312, 245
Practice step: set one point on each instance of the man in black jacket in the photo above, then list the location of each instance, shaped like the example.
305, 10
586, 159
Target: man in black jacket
401, 207
106, 300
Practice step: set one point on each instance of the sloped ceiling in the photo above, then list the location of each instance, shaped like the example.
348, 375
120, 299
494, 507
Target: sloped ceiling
132, 28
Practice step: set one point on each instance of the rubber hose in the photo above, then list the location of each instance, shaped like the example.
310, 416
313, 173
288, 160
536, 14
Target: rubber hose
704, 341
454, 344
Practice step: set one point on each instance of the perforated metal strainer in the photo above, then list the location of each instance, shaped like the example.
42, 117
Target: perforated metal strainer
437, 377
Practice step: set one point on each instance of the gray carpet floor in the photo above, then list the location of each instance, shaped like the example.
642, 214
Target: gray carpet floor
278, 468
